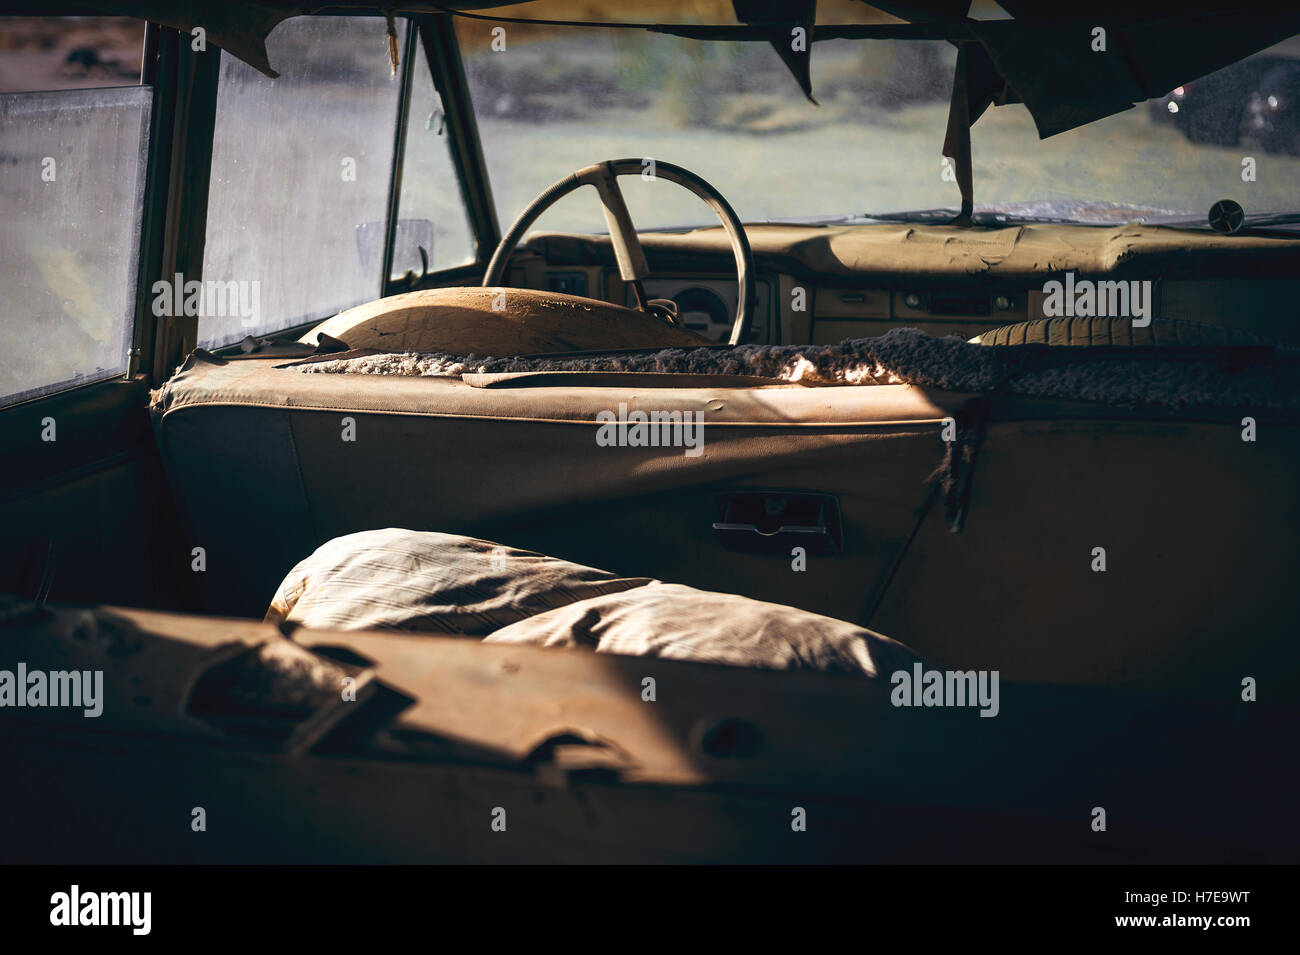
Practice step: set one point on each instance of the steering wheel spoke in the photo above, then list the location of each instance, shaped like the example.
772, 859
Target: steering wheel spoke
622, 233
628, 253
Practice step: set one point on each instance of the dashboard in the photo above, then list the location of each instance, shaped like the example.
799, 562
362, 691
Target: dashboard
706, 304
820, 285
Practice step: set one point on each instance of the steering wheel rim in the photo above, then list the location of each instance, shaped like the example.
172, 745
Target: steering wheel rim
627, 246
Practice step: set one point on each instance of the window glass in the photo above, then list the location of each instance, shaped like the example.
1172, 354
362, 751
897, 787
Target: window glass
69, 53
550, 100
432, 213
554, 99
72, 166
301, 167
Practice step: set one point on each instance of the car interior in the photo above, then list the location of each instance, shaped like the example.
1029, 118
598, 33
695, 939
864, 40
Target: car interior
903, 428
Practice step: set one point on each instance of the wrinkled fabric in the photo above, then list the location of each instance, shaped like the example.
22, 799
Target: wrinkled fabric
396, 579
675, 622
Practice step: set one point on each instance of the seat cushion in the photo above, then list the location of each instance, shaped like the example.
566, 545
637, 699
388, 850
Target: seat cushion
396, 579
676, 622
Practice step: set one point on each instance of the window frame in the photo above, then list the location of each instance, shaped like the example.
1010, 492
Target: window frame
176, 207
182, 123
384, 285
435, 38
136, 349
442, 54
100, 423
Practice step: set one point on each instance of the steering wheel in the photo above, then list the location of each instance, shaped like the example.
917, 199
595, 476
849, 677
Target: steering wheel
627, 247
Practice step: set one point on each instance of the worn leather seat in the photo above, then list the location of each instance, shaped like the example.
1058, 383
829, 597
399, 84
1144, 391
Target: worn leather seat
1196, 524
269, 463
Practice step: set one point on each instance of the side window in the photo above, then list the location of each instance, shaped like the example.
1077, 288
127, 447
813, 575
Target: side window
431, 211
301, 173
73, 148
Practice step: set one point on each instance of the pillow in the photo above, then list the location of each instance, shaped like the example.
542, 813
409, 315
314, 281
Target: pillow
681, 623
396, 579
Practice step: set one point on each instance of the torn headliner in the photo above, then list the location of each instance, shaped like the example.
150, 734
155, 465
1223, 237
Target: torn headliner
1043, 56
1067, 68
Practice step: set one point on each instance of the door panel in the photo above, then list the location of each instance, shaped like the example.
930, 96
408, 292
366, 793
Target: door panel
1197, 532
83, 489
523, 465
1194, 522
550, 488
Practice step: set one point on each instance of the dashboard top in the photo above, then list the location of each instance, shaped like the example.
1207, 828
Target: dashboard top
891, 250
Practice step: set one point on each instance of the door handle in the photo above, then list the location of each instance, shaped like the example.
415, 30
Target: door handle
774, 521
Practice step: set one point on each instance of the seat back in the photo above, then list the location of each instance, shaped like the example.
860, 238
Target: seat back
1096, 545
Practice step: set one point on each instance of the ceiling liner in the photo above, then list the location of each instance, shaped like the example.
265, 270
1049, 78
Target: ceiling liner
1043, 57
780, 20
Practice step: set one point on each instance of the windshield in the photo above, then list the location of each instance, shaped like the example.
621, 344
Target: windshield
550, 100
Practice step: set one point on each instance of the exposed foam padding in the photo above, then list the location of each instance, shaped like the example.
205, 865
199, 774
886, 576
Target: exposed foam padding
1176, 376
